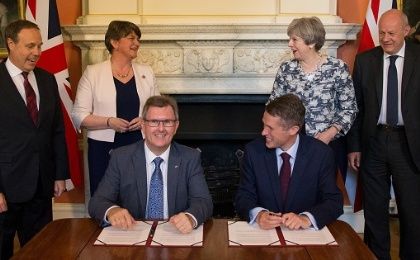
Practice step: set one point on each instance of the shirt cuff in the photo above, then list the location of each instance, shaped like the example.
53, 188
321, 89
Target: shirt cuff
311, 218
193, 218
106, 214
253, 213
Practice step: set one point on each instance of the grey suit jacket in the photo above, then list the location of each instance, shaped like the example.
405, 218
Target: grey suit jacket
368, 84
125, 183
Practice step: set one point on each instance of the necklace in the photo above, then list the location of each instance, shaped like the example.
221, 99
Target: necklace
313, 69
123, 75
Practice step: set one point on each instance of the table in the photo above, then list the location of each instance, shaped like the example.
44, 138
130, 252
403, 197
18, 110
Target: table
73, 239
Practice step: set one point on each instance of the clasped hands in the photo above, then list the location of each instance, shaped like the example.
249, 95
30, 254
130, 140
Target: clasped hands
122, 125
269, 220
121, 218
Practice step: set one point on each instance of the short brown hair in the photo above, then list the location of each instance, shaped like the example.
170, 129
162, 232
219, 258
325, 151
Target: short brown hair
119, 29
160, 101
13, 29
310, 29
288, 108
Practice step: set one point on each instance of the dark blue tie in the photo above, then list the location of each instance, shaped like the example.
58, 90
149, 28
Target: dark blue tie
155, 205
392, 93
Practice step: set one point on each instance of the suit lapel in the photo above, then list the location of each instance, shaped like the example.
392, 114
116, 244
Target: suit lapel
409, 64
42, 93
273, 175
377, 65
139, 166
10, 91
174, 164
298, 172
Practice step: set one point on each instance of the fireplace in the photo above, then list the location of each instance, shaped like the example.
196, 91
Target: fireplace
219, 126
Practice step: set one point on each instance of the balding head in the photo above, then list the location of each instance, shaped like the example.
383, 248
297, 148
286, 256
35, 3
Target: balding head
393, 28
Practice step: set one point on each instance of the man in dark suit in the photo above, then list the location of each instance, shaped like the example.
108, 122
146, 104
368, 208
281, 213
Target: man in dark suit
125, 192
385, 138
310, 197
33, 158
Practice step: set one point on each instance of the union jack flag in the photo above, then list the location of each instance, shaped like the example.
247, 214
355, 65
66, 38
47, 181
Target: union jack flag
44, 13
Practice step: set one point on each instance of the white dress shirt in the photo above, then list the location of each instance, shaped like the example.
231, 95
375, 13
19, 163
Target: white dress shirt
18, 79
399, 63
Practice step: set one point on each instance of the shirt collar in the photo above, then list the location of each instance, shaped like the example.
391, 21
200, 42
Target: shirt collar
292, 151
13, 70
400, 53
150, 156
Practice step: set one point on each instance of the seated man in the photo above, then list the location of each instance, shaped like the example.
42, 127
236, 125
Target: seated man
298, 191
154, 178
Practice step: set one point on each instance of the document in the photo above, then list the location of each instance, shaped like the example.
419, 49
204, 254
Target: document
308, 237
135, 236
150, 233
166, 234
243, 234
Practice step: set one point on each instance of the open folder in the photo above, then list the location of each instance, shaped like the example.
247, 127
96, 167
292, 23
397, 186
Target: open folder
243, 234
150, 233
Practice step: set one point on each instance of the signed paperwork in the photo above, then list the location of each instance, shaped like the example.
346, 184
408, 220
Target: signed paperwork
149, 233
243, 234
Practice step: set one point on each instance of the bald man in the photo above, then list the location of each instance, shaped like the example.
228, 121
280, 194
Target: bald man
384, 141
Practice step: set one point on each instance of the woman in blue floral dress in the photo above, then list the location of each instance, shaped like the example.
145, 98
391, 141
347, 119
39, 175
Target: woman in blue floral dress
322, 82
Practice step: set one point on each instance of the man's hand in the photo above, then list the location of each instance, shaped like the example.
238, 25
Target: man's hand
268, 220
182, 222
294, 221
59, 187
120, 218
3, 203
354, 160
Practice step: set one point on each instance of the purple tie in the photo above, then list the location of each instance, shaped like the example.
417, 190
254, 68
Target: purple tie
30, 98
285, 172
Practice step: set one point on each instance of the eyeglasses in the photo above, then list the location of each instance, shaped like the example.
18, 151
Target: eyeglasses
156, 123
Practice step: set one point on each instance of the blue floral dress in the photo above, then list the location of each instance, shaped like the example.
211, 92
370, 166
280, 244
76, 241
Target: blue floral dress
327, 94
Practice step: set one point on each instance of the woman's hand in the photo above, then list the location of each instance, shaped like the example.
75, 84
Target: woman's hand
135, 124
327, 135
118, 124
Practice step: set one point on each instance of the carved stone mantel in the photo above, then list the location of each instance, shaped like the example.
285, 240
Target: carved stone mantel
209, 59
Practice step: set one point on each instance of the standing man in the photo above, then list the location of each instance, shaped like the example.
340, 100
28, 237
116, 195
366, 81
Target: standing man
33, 158
286, 178
154, 178
385, 138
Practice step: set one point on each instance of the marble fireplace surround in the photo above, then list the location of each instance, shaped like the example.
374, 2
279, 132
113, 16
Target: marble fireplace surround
209, 58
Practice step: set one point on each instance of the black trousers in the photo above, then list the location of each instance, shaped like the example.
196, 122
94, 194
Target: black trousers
27, 219
387, 155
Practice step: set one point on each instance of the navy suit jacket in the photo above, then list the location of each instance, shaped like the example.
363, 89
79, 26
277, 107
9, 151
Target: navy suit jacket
125, 183
30, 153
312, 186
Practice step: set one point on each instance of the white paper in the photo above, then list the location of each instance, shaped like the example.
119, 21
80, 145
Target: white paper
308, 237
167, 234
241, 233
136, 235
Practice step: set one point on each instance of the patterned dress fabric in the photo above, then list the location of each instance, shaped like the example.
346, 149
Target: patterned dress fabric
327, 93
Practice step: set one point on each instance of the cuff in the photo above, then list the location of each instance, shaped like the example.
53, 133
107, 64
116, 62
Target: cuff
105, 219
311, 218
195, 223
253, 213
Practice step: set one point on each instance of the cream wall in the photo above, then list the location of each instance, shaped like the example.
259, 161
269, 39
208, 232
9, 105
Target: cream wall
205, 11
